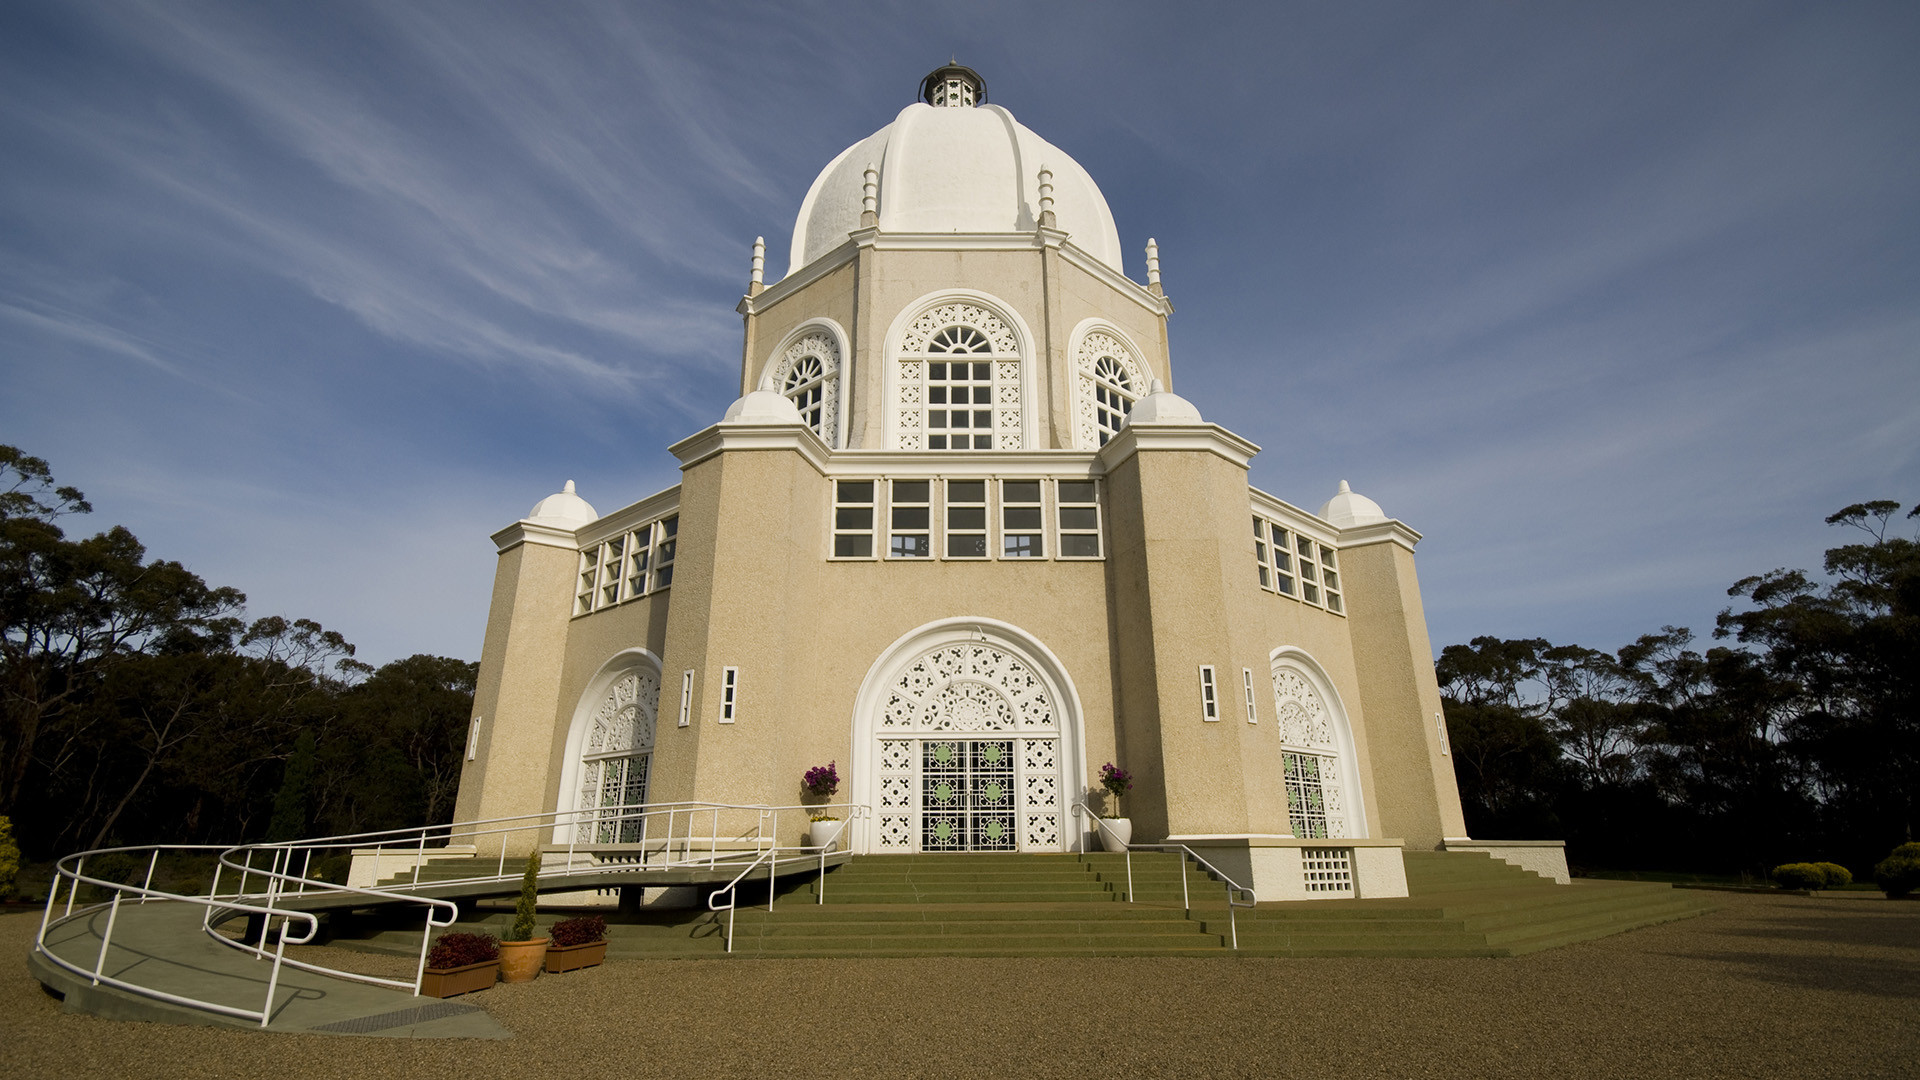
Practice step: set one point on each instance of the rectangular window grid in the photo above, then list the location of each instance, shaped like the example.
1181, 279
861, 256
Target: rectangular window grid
1078, 507
967, 795
966, 519
1329, 578
473, 739
729, 693
910, 519
1272, 555
853, 519
1209, 696
1309, 588
959, 406
1022, 520
627, 566
1246, 676
686, 697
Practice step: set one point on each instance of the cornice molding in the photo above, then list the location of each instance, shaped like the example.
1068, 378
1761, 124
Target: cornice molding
652, 508
1380, 532
726, 436
1192, 438
529, 531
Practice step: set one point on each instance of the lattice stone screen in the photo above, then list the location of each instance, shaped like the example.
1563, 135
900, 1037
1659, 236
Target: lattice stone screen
617, 756
1311, 758
969, 755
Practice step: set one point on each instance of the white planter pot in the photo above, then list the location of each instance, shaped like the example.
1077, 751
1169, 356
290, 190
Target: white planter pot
1116, 833
822, 833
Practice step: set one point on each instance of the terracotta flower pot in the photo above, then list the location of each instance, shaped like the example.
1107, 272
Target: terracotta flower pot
520, 960
573, 957
448, 982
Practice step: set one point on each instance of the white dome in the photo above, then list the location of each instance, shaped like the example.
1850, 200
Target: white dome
1162, 406
1348, 508
763, 406
954, 170
564, 509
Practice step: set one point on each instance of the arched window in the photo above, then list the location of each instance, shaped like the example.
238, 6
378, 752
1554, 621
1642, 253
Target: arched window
958, 381
1110, 381
807, 372
616, 756
1316, 756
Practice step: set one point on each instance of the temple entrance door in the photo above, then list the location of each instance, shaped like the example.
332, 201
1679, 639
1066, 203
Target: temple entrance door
967, 795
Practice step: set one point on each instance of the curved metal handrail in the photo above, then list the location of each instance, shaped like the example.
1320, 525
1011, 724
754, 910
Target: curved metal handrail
772, 858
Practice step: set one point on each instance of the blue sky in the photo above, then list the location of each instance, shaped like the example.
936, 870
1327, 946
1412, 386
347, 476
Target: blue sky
1613, 302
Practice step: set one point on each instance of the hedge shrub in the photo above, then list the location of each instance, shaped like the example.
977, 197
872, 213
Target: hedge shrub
460, 949
1799, 875
9, 857
1899, 873
1838, 877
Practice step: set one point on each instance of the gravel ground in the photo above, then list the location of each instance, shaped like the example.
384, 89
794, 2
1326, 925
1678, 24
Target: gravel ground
1767, 986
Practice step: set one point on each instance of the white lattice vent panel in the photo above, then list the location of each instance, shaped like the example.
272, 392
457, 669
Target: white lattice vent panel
1327, 871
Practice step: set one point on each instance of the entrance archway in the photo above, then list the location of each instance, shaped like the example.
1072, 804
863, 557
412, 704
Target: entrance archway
967, 737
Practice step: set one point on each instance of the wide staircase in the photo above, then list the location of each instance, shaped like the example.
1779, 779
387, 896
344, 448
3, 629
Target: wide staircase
1078, 905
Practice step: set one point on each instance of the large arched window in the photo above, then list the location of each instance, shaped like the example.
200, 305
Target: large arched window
616, 755
957, 382
1316, 753
807, 373
1110, 379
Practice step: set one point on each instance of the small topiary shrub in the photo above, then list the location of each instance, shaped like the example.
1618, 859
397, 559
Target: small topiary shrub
460, 949
1799, 875
1838, 877
528, 904
1899, 873
579, 931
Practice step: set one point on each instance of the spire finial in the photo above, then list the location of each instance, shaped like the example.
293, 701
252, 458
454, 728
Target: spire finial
1047, 219
757, 281
955, 86
1344, 489
569, 488
1153, 264
870, 197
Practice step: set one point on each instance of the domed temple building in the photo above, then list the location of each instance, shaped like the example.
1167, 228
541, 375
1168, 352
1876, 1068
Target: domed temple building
960, 537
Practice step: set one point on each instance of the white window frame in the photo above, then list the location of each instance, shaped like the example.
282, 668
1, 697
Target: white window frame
871, 506
1060, 508
729, 693
686, 698
1209, 695
894, 529
1246, 675
1330, 589
1440, 724
1039, 530
949, 531
473, 738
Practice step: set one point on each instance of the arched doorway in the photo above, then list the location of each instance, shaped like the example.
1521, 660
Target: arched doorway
610, 750
967, 738
1317, 757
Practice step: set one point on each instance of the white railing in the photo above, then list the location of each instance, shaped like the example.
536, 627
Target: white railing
1234, 889
704, 834
731, 889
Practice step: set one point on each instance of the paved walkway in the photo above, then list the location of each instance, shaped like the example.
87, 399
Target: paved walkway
1767, 986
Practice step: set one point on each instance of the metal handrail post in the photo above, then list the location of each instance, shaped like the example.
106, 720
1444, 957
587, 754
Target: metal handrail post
273, 979
100, 961
306, 865
79, 868
1186, 899
426, 935
148, 883
1130, 896
420, 856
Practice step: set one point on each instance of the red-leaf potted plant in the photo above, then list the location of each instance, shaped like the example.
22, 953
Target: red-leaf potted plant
1116, 832
460, 963
577, 943
821, 782
521, 953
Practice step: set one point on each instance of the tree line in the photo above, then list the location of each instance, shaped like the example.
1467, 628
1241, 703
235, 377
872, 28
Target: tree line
1796, 737
138, 704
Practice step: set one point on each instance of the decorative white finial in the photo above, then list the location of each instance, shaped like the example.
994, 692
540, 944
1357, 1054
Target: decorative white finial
1156, 387
759, 261
1344, 489
1046, 197
766, 381
569, 488
870, 197
1153, 261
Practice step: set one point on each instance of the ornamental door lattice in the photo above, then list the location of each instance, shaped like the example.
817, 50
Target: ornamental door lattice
969, 756
1310, 759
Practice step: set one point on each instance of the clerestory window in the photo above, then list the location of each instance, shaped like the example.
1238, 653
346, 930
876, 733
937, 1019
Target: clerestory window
958, 382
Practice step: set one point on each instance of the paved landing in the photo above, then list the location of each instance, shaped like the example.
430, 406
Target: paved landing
161, 945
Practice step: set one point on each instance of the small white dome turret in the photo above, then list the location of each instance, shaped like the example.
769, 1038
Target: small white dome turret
763, 406
1162, 406
564, 509
1349, 508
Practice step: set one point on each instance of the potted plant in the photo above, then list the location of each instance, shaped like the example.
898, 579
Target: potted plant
460, 963
1116, 832
821, 782
577, 943
521, 953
